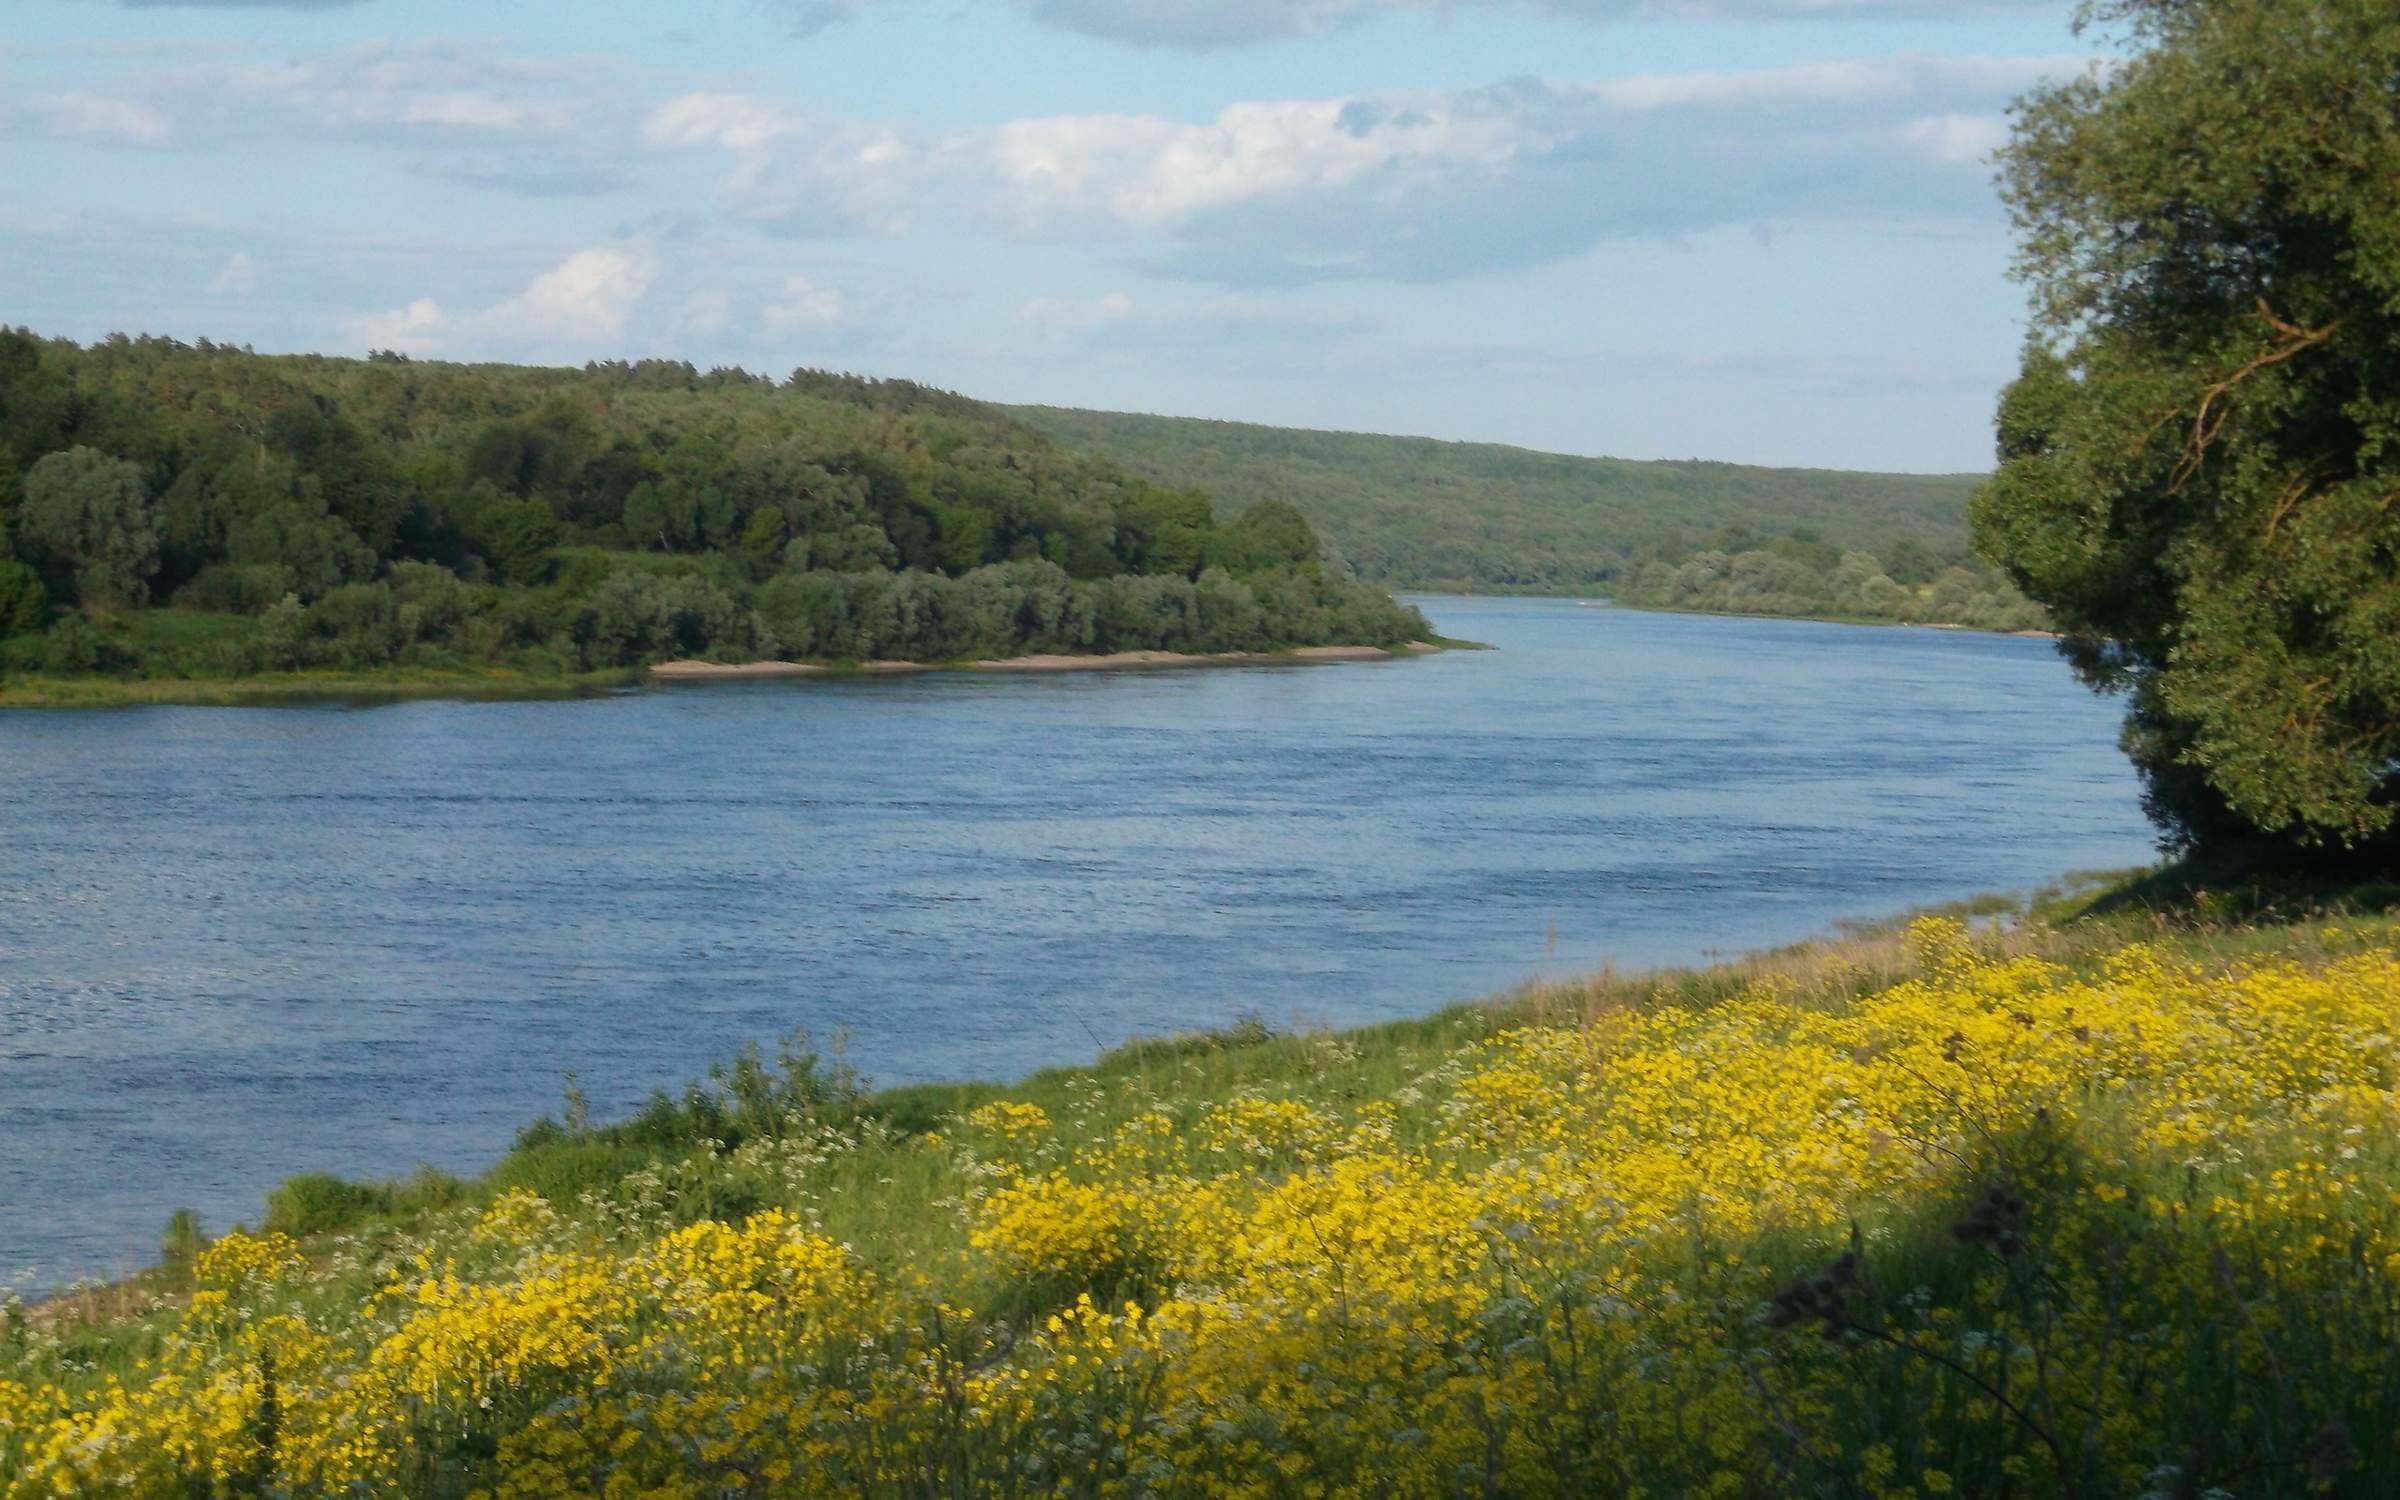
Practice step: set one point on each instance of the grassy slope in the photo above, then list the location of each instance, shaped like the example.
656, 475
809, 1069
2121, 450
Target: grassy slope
1911, 1397
1417, 513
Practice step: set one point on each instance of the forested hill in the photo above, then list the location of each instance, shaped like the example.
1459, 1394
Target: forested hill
200, 510
1415, 513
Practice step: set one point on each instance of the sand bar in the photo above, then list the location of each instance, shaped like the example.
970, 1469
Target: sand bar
677, 670
692, 671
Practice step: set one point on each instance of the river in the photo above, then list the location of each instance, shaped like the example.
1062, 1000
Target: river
241, 943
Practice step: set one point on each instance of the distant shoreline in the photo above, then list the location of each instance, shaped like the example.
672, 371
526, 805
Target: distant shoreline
1745, 614
371, 688
710, 671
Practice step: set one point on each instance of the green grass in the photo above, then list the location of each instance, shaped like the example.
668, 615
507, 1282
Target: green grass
375, 685
43, 690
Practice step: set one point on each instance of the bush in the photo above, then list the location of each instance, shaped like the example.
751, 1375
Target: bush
319, 1202
24, 603
72, 647
183, 1239
363, 623
283, 641
563, 1170
238, 589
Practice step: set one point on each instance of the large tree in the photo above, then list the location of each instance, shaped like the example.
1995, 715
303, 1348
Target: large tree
2198, 471
91, 516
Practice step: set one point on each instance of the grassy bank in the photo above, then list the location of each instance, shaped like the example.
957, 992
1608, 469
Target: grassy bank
2092, 1197
1825, 618
267, 689
479, 683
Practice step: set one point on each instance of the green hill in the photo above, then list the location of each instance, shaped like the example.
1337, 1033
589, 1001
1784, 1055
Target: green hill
202, 511
1421, 514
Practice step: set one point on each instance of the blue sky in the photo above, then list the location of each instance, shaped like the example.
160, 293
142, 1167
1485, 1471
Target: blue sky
1759, 230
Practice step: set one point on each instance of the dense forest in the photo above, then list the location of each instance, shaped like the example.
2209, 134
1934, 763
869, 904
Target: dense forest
1414, 513
200, 510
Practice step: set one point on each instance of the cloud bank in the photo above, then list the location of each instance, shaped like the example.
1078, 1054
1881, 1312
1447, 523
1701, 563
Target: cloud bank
1213, 24
1410, 185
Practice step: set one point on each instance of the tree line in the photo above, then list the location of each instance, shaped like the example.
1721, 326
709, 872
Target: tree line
1736, 571
200, 509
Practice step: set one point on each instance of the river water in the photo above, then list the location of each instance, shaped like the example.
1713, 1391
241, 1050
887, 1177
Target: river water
241, 943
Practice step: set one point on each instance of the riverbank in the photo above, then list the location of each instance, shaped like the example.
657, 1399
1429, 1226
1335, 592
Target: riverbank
1741, 614
501, 683
266, 690
1825, 1202
702, 671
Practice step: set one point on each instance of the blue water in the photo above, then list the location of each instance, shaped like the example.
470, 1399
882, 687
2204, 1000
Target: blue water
241, 943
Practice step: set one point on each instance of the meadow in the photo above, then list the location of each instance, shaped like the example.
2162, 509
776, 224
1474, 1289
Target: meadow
2080, 1198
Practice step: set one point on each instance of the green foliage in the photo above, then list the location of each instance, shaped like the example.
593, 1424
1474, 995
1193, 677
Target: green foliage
1036, 607
393, 515
72, 646
752, 1098
1270, 534
2196, 464
318, 1202
282, 635
89, 516
1798, 576
563, 1169
24, 603
638, 616
764, 538
183, 1238
1419, 514
516, 535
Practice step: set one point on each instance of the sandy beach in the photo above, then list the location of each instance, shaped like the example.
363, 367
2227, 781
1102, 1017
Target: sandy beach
690, 671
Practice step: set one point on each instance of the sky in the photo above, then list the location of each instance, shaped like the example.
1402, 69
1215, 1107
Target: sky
1755, 230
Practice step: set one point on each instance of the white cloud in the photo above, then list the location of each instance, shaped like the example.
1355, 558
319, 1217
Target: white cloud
92, 117
1208, 23
1418, 185
583, 301
1199, 24
431, 93
414, 329
1148, 173
1234, 23
463, 110
1958, 139
585, 297
427, 90
238, 4
807, 173
804, 305
238, 278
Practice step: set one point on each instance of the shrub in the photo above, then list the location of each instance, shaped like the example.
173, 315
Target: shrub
73, 646
24, 603
319, 1202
